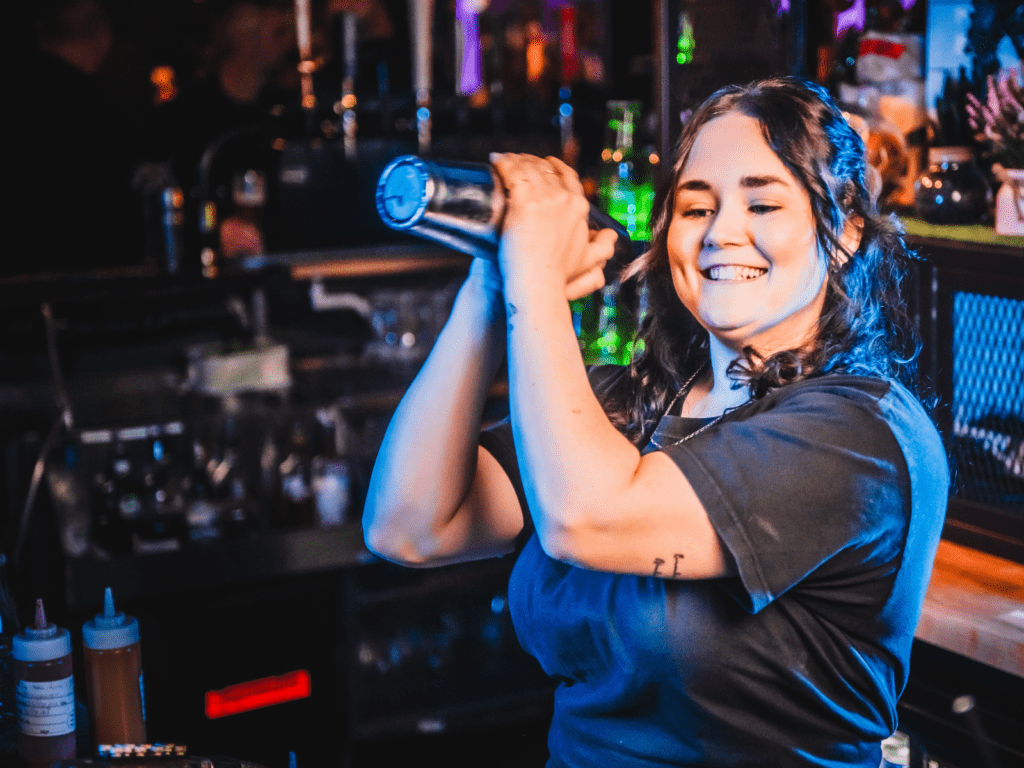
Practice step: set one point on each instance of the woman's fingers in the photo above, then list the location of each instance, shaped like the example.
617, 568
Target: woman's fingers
517, 169
585, 284
546, 228
568, 177
589, 277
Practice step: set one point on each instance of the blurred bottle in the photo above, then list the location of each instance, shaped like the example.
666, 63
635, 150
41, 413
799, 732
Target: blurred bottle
162, 525
330, 470
113, 676
626, 186
117, 501
8, 629
229, 485
585, 315
570, 59
611, 340
45, 692
241, 233
294, 497
163, 204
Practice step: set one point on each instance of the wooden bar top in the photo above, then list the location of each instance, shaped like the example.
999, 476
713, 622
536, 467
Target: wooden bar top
975, 607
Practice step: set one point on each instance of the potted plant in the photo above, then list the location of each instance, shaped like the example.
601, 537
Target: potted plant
999, 126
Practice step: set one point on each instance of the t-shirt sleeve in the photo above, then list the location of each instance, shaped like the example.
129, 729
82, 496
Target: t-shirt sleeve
498, 441
811, 488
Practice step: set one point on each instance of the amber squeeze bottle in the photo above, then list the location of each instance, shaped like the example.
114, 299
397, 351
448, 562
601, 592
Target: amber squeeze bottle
113, 676
45, 692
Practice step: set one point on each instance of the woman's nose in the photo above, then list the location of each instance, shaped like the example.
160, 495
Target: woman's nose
726, 228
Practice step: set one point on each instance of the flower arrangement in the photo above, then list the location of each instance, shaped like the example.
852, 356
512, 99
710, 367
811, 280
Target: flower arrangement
999, 121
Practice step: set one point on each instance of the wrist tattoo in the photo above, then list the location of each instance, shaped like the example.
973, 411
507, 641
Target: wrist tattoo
658, 562
510, 312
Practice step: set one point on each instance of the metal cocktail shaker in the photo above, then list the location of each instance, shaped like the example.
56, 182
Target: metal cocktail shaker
460, 205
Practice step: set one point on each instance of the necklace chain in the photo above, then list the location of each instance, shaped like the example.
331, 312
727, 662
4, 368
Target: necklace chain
684, 388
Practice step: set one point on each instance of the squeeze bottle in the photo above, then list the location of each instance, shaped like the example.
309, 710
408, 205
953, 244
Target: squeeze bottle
45, 692
113, 676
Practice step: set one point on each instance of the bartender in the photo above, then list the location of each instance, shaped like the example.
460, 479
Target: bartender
724, 545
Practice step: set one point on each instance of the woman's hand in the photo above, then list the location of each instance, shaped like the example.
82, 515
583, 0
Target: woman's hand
546, 240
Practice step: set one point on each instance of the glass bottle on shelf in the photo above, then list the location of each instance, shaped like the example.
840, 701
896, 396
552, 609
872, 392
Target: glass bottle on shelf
626, 187
330, 471
295, 504
612, 339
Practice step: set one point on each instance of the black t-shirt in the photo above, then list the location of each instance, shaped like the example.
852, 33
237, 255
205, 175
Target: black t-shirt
830, 495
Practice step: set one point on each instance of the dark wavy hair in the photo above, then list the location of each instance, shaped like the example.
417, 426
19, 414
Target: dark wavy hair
863, 328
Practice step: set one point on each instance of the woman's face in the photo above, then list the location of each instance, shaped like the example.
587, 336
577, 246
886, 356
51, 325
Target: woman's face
742, 245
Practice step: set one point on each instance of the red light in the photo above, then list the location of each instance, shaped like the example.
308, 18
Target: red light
245, 697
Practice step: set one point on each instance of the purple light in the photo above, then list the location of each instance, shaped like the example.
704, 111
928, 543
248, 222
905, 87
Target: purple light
471, 74
852, 18
781, 7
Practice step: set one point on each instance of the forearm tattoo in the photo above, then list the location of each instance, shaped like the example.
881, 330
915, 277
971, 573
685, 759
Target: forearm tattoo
658, 562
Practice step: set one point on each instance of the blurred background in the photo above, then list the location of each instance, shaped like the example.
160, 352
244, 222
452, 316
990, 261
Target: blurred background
207, 327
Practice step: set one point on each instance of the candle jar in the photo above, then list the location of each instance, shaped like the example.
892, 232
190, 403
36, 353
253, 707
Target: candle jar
952, 190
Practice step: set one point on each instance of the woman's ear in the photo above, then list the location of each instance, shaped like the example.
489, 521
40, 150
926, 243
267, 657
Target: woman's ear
849, 241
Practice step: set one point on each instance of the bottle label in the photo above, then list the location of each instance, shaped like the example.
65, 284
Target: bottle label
46, 708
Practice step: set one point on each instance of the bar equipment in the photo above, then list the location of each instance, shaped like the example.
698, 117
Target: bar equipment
457, 204
421, 22
348, 84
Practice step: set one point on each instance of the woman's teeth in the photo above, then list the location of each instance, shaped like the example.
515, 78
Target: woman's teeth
732, 272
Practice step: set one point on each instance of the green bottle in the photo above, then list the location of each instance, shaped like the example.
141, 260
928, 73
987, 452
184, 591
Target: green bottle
613, 337
626, 188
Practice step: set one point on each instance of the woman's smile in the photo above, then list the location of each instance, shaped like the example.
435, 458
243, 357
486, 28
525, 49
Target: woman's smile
732, 273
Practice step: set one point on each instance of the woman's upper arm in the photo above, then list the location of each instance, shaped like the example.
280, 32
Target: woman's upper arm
655, 525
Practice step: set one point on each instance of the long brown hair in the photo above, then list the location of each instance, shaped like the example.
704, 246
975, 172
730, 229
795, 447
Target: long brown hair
863, 328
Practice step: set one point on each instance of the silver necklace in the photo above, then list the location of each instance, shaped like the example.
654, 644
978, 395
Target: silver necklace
682, 389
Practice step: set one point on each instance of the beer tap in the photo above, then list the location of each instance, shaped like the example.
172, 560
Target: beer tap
421, 22
306, 64
348, 84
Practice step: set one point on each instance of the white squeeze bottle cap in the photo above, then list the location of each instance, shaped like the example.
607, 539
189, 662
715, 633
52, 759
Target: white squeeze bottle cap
108, 630
42, 641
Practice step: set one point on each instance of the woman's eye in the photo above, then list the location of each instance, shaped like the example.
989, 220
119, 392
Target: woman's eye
698, 213
764, 208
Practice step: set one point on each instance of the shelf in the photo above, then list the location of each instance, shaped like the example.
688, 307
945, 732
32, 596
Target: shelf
128, 286
385, 260
967, 234
259, 557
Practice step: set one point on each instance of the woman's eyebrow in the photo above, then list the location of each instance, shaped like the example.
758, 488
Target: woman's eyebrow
748, 182
753, 182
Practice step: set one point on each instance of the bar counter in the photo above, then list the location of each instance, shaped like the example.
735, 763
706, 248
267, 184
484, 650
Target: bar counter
975, 607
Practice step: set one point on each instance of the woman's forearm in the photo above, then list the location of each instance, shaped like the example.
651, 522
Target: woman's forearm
426, 463
573, 454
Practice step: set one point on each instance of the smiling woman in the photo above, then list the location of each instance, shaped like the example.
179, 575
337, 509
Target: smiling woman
734, 583
782, 164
